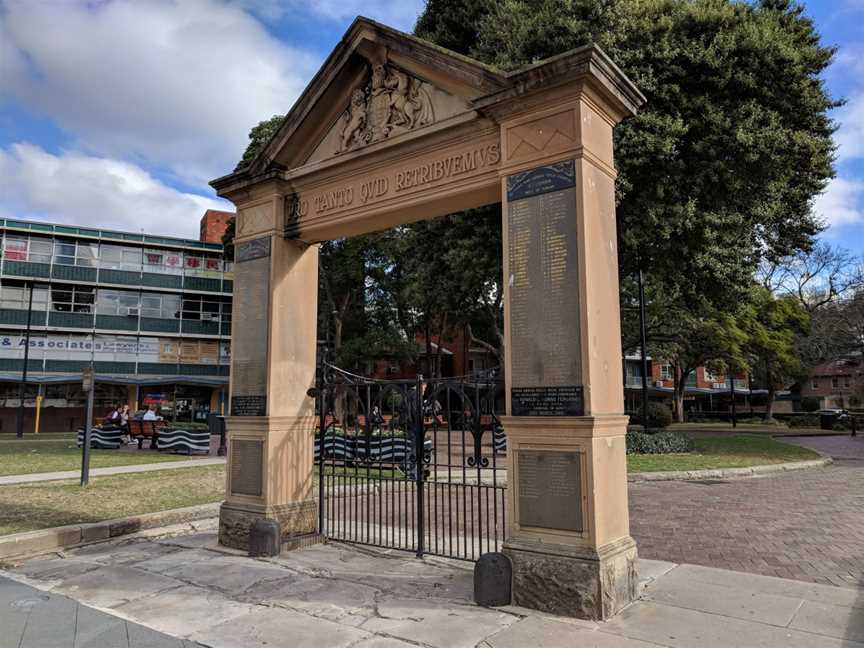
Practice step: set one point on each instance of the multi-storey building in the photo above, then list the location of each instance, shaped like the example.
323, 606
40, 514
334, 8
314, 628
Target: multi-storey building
152, 314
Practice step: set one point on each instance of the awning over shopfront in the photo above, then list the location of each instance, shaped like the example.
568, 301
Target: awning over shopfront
113, 379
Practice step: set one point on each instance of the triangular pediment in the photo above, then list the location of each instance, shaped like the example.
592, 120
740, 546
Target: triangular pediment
377, 85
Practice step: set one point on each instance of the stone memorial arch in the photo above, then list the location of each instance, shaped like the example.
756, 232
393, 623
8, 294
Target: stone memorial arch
391, 130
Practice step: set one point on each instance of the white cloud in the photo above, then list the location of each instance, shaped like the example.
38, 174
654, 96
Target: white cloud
83, 190
842, 203
401, 14
171, 83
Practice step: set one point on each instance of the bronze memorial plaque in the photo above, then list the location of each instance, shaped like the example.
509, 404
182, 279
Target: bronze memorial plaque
550, 489
543, 278
249, 350
246, 467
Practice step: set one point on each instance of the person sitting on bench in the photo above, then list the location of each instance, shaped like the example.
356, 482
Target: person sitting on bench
150, 414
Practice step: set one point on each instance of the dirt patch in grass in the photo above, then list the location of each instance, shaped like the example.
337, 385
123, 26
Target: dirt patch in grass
28, 457
739, 451
26, 507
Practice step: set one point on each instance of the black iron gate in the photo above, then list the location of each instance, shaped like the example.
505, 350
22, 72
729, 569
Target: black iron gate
412, 464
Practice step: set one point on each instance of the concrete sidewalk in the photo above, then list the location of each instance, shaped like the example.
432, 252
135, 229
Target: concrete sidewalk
113, 470
30, 618
330, 596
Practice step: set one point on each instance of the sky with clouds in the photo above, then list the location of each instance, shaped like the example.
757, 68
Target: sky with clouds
116, 113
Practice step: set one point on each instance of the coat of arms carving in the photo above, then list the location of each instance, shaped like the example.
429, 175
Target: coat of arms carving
392, 102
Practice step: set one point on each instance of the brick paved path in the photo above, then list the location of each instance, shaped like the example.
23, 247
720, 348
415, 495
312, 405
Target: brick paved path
807, 525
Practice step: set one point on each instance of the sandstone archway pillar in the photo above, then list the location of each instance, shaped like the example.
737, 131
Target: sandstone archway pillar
271, 417
569, 537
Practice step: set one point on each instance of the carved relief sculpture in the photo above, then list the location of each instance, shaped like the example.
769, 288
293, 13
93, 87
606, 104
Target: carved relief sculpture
392, 102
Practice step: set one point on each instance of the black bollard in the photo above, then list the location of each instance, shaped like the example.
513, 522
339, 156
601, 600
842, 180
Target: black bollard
493, 576
265, 538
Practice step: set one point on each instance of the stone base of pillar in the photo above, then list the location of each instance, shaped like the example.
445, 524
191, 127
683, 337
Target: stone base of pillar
295, 519
572, 581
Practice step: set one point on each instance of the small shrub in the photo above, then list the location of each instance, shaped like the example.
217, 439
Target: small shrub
809, 404
659, 415
659, 443
806, 421
840, 427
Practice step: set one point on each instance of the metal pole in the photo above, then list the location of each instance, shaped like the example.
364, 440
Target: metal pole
322, 420
732, 394
418, 451
19, 423
644, 352
89, 383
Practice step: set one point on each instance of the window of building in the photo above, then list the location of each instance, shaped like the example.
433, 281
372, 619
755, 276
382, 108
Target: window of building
116, 302
847, 381
64, 252
121, 257
814, 383
835, 382
160, 306
712, 377
15, 248
17, 297
665, 372
163, 261
200, 308
25, 248
72, 299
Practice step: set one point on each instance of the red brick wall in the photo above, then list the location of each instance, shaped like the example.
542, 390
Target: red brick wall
213, 224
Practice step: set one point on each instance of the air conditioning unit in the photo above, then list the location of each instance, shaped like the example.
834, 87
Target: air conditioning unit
132, 311
210, 317
658, 383
718, 385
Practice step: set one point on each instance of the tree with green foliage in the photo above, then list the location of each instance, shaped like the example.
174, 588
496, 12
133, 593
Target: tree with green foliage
259, 137
774, 325
719, 169
228, 238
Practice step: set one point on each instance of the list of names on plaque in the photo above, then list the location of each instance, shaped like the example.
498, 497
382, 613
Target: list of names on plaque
249, 342
544, 286
550, 489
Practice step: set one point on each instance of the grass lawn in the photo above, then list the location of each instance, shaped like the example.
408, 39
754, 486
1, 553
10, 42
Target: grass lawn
738, 451
26, 457
26, 507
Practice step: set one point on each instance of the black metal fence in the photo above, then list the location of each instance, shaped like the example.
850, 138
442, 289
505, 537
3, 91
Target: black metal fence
416, 464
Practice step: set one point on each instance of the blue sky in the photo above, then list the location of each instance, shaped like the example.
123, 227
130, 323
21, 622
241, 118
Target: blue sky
116, 113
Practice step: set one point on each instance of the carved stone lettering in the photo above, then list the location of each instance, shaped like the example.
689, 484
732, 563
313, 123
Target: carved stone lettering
251, 311
543, 278
392, 102
247, 458
550, 489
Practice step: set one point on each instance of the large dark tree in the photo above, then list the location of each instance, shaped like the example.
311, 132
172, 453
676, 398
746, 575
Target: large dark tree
719, 169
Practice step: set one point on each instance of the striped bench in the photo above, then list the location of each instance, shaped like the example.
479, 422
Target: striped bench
104, 438
188, 441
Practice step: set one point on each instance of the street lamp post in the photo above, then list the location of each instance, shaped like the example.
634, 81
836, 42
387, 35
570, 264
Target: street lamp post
644, 352
19, 423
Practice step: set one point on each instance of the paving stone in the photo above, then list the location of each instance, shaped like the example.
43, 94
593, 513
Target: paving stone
183, 611
278, 627
538, 632
437, 623
826, 619
122, 553
114, 585
227, 574
770, 585
327, 598
679, 590
681, 628
778, 522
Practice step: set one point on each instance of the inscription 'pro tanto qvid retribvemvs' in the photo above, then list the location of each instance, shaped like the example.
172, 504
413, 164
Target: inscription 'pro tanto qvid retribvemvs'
546, 372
